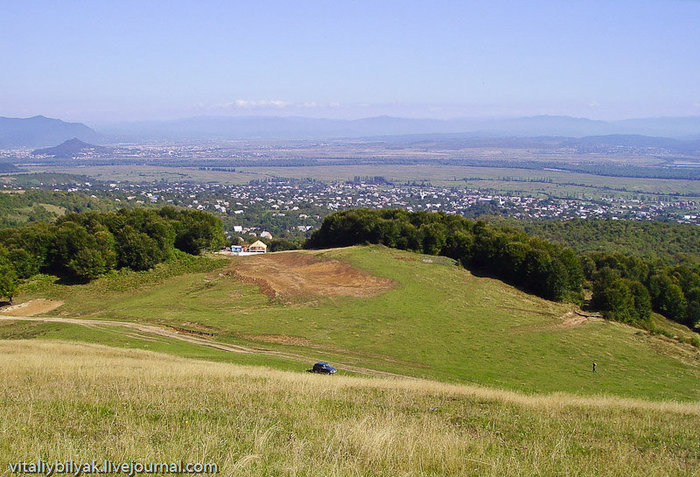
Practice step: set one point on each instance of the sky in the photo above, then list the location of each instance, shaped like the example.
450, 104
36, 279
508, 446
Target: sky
141, 60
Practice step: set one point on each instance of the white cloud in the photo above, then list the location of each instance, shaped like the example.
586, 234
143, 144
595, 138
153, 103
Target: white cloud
253, 103
268, 104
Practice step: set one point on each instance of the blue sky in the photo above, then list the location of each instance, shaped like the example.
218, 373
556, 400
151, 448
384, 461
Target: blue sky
101, 60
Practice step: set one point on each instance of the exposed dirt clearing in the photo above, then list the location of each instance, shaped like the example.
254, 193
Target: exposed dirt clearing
280, 339
571, 320
294, 274
31, 308
568, 320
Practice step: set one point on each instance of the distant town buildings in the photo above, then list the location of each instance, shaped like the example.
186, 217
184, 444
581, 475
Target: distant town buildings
295, 207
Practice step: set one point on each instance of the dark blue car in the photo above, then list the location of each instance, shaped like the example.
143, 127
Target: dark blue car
323, 368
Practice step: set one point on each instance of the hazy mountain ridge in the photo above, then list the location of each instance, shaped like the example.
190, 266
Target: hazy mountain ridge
262, 127
4, 168
39, 131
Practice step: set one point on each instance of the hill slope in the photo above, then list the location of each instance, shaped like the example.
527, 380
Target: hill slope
391, 311
70, 148
83, 402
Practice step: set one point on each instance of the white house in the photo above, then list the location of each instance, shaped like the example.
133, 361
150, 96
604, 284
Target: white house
258, 247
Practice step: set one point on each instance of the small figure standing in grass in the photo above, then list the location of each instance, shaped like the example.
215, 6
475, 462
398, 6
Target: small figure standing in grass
595, 365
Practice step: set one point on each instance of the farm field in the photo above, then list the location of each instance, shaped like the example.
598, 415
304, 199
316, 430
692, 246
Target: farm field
85, 402
147, 173
486, 177
374, 310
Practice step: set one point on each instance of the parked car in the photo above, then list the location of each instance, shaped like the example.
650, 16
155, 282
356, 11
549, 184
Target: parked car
323, 368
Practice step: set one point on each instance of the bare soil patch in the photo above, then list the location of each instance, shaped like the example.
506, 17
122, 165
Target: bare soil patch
280, 339
571, 320
31, 307
568, 320
294, 274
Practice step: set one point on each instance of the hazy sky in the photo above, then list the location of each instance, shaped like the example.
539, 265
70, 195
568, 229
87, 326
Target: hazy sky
91, 60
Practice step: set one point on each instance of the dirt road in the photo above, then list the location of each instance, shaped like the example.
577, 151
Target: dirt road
153, 330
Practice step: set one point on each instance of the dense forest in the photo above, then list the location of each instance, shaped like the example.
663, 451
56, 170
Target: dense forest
33, 205
625, 287
82, 246
671, 243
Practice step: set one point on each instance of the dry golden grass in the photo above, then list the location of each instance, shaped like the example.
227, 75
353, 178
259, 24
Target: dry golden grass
31, 307
64, 400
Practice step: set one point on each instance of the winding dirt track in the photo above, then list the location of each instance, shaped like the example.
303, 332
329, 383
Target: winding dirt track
169, 333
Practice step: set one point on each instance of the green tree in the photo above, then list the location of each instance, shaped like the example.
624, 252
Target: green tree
603, 281
433, 238
672, 303
136, 250
537, 268
557, 281
574, 268
199, 231
620, 302
642, 301
87, 264
25, 264
8, 280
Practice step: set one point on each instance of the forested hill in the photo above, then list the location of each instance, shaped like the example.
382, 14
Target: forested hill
669, 242
83, 246
625, 287
18, 207
543, 268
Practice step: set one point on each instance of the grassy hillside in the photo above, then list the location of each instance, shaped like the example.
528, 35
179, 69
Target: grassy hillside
86, 402
402, 313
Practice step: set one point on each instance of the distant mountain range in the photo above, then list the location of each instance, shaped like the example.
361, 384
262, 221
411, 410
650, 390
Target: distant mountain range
223, 128
40, 131
71, 148
5, 167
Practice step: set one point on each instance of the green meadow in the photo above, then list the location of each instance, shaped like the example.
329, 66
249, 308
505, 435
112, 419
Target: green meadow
89, 402
437, 321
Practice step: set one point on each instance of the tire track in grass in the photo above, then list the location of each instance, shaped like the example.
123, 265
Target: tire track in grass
202, 341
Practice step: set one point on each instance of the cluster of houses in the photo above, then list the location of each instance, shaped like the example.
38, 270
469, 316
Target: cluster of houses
255, 248
301, 204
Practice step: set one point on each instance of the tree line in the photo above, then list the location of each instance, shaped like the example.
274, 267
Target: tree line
83, 246
627, 288
544, 268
